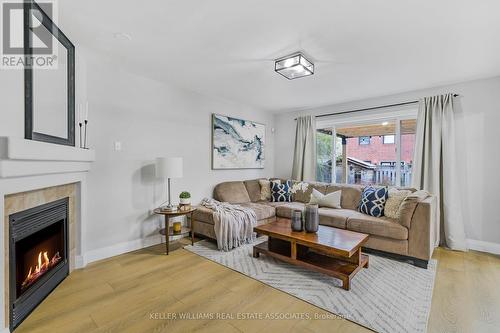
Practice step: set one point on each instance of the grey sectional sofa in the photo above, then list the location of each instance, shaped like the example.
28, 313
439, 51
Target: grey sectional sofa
412, 237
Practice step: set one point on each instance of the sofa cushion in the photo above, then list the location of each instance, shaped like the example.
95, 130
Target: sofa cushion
335, 217
262, 211
377, 226
272, 204
351, 194
373, 201
286, 209
203, 214
232, 192
253, 189
305, 196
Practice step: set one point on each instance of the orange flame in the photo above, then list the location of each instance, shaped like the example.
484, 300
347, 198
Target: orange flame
44, 264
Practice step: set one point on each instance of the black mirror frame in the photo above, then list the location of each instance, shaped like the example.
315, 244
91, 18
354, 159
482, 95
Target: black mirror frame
28, 79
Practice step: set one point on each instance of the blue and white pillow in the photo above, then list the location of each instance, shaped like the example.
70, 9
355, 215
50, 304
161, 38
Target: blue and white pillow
373, 201
281, 192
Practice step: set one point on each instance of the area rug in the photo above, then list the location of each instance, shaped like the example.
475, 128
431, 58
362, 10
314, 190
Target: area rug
389, 296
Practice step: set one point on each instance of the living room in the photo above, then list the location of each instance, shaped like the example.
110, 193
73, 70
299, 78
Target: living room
318, 166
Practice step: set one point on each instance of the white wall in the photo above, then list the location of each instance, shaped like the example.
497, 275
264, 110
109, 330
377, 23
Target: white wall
150, 119
12, 96
12, 103
479, 144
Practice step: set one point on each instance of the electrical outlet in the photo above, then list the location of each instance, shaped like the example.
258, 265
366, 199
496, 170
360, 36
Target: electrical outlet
118, 146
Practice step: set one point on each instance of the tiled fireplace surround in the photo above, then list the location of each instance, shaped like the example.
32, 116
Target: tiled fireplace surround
34, 173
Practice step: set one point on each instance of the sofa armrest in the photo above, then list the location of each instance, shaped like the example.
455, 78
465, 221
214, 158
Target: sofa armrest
423, 231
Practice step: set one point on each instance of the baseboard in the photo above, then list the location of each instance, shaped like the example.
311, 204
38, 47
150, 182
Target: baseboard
483, 246
117, 249
79, 262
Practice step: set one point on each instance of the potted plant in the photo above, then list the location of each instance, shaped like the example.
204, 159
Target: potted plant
185, 198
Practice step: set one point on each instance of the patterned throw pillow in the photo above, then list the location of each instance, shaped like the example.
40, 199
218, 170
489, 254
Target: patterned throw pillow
373, 201
281, 192
393, 202
265, 190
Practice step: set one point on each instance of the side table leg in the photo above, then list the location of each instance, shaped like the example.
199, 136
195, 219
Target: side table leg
192, 229
167, 231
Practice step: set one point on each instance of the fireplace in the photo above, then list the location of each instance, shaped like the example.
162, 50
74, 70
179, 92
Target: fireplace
38, 256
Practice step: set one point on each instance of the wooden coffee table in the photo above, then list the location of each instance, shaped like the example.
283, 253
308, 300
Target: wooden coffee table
332, 251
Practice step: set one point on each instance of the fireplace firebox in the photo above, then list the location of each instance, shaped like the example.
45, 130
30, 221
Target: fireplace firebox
38, 256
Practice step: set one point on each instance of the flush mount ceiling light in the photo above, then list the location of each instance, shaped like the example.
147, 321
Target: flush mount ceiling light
294, 66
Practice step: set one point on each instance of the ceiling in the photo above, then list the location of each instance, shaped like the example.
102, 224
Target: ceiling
226, 48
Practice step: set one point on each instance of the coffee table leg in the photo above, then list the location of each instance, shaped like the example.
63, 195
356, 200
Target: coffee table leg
293, 249
255, 253
346, 283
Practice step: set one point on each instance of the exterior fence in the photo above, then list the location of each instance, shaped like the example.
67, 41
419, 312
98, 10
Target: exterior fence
381, 175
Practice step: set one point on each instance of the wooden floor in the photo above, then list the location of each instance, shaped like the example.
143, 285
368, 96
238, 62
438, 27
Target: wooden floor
136, 292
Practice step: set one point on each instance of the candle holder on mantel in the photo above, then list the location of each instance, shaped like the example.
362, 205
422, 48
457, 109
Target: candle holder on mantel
80, 126
85, 135
83, 114
84, 140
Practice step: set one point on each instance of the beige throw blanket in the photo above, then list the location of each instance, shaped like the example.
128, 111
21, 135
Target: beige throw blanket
233, 224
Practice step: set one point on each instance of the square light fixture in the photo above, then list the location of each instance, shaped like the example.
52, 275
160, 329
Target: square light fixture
294, 66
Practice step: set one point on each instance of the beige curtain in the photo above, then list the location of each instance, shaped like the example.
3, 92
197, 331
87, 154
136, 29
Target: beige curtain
435, 166
304, 157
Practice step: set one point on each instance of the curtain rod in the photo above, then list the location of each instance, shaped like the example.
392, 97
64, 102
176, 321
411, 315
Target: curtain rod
371, 108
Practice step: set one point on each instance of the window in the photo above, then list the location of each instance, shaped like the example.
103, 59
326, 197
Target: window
407, 142
324, 153
364, 140
378, 152
389, 139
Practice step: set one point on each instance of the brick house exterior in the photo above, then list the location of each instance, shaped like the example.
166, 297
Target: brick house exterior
378, 151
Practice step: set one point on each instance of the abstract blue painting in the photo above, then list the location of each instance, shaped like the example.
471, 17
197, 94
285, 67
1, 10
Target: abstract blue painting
237, 143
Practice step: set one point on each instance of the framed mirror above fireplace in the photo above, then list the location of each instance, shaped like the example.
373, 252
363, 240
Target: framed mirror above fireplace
49, 77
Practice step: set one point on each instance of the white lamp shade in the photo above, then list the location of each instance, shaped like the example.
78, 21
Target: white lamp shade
169, 167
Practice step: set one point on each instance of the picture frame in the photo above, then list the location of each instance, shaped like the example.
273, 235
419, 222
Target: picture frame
237, 143
30, 84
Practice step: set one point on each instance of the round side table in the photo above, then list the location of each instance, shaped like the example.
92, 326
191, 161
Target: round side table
168, 231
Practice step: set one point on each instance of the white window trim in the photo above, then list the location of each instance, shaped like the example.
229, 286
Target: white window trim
365, 118
334, 157
398, 152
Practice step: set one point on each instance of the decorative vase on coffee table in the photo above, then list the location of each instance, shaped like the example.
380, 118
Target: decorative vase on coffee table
312, 218
297, 220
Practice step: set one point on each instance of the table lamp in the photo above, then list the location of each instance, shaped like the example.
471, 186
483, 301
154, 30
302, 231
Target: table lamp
167, 168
